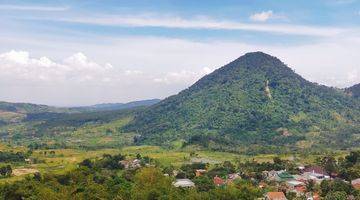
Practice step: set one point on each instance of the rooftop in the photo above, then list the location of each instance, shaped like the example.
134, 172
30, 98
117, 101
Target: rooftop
275, 196
184, 183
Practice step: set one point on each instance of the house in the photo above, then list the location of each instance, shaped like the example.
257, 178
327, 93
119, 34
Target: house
316, 170
284, 176
184, 183
200, 172
218, 181
262, 184
270, 175
312, 196
124, 163
281, 175
356, 183
299, 190
294, 183
275, 196
232, 177
315, 173
130, 164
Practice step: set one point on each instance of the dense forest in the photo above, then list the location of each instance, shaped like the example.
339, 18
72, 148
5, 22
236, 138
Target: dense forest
258, 100
354, 90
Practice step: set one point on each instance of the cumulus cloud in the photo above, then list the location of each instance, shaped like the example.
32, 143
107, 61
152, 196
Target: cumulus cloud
155, 68
262, 16
18, 65
183, 76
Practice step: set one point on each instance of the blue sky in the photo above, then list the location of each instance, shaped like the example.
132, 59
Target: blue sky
85, 52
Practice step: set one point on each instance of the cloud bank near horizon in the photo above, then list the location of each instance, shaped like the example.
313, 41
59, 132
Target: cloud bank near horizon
179, 64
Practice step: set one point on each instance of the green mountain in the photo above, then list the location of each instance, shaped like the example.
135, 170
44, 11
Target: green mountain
354, 90
11, 113
17, 112
28, 108
258, 100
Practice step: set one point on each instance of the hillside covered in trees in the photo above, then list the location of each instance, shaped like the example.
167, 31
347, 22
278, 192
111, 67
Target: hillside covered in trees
256, 99
354, 90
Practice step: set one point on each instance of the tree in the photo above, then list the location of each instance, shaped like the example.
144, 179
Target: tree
336, 196
229, 167
86, 163
6, 170
291, 195
203, 183
329, 164
328, 187
353, 157
150, 184
310, 185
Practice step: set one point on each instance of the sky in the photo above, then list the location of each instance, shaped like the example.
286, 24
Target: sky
72, 52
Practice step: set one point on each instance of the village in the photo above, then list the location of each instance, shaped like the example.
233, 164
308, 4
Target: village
282, 180
300, 182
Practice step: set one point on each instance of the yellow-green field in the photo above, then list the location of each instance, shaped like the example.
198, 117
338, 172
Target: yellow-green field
64, 160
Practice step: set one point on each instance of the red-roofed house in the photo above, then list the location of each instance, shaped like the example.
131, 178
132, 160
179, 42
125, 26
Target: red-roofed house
275, 196
356, 183
218, 181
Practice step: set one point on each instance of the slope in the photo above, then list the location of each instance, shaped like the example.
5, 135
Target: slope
256, 99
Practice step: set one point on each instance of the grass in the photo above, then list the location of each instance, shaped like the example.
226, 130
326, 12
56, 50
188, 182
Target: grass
65, 160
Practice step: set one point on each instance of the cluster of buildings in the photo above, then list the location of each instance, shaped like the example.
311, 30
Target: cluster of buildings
296, 183
282, 179
218, 181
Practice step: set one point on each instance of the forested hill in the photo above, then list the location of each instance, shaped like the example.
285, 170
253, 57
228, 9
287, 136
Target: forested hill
15, 113
255, 99
354, 90
28, 108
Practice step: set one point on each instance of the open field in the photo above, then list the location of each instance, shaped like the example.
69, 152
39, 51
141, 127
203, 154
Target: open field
59, 161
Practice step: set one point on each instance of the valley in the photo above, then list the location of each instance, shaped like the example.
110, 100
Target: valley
250, 117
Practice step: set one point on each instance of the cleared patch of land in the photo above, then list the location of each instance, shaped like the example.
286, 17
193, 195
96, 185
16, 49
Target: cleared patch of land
23, 171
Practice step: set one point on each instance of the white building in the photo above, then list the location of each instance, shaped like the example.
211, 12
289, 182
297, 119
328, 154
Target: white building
184, 183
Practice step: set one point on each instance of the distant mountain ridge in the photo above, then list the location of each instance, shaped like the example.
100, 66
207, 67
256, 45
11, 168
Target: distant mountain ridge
117, 106
29, 108
255, 99
19, 112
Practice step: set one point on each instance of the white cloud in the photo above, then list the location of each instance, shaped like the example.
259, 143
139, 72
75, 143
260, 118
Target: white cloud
19, 66
155, 67
204, 23
33, 8
262, 16
183, 76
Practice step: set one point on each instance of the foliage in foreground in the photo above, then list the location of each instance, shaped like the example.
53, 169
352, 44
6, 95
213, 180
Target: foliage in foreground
105, 179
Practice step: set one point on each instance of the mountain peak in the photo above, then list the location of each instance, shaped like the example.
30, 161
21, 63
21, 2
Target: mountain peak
258, 54
258, 58
253, 67
247, 101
